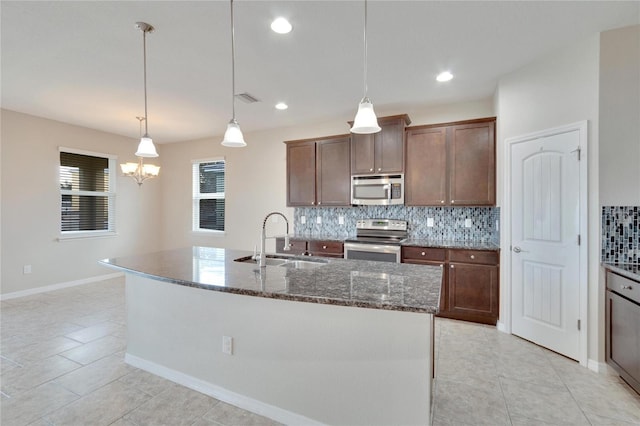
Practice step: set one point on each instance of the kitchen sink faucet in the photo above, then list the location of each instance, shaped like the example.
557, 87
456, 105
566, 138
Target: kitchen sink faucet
287, 246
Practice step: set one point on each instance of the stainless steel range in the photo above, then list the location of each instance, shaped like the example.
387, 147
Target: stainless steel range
377, 239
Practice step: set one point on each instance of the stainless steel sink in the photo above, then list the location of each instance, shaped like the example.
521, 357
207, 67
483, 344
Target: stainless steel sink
285, 261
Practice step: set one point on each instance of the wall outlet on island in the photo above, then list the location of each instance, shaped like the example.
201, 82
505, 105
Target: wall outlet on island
26, 269
227, 345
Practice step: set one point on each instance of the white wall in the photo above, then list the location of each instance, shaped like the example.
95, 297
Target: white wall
31, 205
620, 117
256, 176
558, 89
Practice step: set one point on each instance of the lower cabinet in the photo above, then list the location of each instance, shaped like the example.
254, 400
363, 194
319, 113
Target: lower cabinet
323, 248
470, 281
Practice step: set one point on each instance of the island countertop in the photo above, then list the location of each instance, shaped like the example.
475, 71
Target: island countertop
357, 283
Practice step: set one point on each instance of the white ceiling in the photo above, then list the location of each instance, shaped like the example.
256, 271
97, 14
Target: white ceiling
81, 62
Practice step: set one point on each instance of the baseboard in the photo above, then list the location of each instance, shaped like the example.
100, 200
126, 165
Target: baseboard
598, 367
59, 286
501, 326
220, 393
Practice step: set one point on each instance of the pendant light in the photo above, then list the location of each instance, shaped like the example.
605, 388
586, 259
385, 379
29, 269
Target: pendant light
233, 136
365, 121
140, 171
146, 147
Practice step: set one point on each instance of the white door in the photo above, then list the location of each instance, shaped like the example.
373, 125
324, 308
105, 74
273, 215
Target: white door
545, 258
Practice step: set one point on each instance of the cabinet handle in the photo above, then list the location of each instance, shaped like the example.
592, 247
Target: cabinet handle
472, 256
423, 253
626, 287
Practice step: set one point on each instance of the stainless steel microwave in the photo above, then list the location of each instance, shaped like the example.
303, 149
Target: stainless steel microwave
380, 190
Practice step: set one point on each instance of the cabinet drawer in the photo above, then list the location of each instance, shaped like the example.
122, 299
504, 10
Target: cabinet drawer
297, 246
329, 247
486, 257
423, 253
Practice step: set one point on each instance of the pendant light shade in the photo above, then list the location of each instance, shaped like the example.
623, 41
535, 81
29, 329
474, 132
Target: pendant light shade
366, 121
233, 136
146, 148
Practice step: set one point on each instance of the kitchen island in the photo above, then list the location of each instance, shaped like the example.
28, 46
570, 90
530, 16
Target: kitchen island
336, 342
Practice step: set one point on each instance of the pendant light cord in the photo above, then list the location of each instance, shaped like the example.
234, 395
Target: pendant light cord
144, 55
233, 67
365, 48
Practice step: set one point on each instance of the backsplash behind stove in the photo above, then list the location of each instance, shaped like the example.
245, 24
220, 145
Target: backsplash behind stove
449, 222
621, 234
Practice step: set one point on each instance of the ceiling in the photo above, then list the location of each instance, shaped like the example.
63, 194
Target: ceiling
80, 62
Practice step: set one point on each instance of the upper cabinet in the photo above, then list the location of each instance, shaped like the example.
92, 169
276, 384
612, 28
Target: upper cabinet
318, 172
382, 152
451, 164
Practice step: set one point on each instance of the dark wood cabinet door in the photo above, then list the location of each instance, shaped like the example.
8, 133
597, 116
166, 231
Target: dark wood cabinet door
426, 167
333, 178
389, 150
472, 165
362, 154
472, 292
301, 173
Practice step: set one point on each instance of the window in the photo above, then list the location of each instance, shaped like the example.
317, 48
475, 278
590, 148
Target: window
87, 193
208, 195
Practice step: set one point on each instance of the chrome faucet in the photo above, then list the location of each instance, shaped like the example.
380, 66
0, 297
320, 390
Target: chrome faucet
287, 246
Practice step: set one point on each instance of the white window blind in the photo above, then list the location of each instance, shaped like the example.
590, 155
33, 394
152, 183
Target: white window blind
208, 195
87, 193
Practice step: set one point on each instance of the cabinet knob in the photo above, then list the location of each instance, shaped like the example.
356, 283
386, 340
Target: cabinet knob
472, 256
451, 266
441, 201
452, 201
442, 265
379, 168
313, 203
370, 170
319, 203
324, 247
423, 253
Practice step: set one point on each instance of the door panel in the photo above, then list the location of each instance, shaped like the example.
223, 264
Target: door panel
544, 239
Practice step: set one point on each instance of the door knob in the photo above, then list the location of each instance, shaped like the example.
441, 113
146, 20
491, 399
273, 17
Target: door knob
517, 249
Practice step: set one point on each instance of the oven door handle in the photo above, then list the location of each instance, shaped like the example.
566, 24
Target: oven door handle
371, 248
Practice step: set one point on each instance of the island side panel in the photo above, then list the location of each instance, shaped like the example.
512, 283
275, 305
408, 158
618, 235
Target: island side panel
331, 364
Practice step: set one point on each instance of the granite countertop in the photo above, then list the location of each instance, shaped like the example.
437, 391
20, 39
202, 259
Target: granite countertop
625, 269
469, 245
357, 283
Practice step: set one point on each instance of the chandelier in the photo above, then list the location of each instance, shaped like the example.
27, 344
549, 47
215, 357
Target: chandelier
140, 171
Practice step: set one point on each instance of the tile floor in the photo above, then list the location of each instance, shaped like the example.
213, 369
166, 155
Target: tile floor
62, 353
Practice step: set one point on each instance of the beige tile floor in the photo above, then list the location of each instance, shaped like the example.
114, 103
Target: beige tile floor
62, 353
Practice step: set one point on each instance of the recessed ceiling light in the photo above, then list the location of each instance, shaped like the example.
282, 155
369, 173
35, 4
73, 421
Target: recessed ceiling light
281, 26
281, 106
444, 76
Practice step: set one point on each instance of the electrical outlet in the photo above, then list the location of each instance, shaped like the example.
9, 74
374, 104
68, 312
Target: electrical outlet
340, 220
430, 222
303, 219
319, 220
467, 223
227, 345
26, 269
497, 225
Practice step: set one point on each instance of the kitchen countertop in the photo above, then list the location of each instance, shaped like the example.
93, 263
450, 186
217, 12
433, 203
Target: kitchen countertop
414, 242
357, 283
468, 245
625, 269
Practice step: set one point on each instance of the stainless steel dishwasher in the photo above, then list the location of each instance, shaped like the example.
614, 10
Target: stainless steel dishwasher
623, 328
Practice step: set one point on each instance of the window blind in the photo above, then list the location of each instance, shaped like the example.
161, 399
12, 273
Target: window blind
85, 190
209, 195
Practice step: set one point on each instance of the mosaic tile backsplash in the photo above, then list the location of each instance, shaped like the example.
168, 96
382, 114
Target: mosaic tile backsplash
621, 234
449, 222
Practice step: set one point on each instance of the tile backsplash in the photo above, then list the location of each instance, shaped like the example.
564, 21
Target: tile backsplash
621, 234
448, 222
